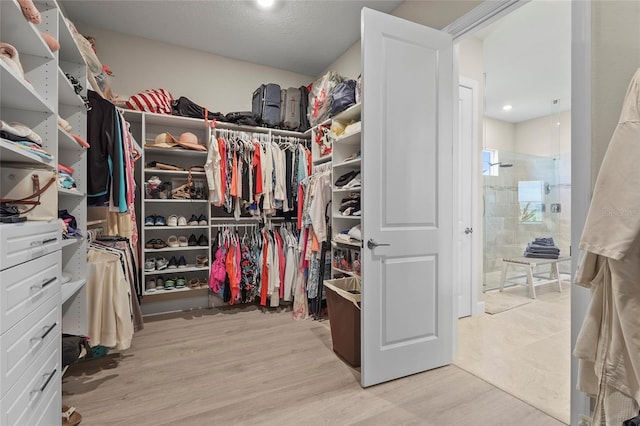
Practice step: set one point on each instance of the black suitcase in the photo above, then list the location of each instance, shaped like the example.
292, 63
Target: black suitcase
265, 105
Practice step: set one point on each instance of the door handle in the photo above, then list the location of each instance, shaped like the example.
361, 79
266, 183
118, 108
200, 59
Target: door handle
468, 230
371, 244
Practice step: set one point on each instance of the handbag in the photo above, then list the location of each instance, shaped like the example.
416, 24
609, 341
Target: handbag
32, 191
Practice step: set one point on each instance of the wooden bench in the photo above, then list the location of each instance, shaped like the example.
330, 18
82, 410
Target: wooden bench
534, 278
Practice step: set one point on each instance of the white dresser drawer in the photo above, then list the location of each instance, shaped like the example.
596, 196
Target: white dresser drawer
25, 341
25, 287
21, 242
26, 398
49, 411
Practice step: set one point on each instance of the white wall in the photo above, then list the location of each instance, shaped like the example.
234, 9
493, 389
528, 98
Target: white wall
545, 136
216, 82
433, 13
500, 135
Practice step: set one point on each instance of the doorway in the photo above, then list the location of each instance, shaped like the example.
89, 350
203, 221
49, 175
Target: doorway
524, 193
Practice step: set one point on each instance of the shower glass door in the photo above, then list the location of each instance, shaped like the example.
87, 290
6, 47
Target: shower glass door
520, 202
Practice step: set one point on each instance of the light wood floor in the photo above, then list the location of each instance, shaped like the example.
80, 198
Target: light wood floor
246, 367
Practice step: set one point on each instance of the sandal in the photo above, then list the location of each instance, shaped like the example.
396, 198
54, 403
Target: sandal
172, 241
194, 283
70, 417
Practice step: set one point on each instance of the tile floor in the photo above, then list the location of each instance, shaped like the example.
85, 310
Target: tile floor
524, 351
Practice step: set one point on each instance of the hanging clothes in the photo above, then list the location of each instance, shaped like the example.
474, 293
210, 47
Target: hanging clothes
108, 301
609, 341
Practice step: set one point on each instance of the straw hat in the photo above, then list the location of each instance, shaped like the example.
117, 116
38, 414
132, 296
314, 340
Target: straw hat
163, 140
190, 141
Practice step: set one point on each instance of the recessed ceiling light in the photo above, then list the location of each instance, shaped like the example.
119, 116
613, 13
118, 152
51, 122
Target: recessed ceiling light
265, 4
507, 108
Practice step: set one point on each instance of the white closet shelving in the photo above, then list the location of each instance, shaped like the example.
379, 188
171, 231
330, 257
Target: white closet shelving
42, 276
145, 127
345, 159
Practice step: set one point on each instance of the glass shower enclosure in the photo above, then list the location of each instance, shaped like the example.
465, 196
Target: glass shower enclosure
522, 200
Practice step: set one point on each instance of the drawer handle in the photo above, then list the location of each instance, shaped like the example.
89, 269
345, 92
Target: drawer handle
44, 283
53, 373
43, 242
41, 338
49, 330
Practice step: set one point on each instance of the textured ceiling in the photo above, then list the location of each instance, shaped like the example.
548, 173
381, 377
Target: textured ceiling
299, 36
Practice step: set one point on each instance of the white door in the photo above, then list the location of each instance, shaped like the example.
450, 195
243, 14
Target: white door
407, 285
466, 184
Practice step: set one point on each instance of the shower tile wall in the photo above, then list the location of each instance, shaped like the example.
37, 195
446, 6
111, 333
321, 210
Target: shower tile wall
504, 234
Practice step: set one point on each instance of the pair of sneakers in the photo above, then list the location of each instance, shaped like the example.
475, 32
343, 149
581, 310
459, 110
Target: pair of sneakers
198, 221
175, 220
154, 220
155, 264
177, 263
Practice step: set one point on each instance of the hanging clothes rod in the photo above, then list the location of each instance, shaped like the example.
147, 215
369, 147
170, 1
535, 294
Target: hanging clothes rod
235, 225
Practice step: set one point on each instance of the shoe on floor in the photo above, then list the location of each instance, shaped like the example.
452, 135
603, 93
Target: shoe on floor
70, 417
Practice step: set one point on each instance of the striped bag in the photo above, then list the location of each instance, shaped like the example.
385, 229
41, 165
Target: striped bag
151, 100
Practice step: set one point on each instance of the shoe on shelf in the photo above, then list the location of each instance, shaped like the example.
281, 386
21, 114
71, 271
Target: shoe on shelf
194, 283
352, 157
182, 221
180, 282
151, 284
150, 244
203, 283
161, 263
172, 220
173, 263
182, 262
159, 221
203, 240
169, 283
159, 283
150, 265
159, 244
202, 220
193, 220
172, 241
201, 261
150, 220
182, 241
192, 240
